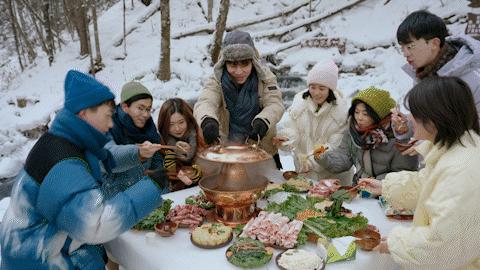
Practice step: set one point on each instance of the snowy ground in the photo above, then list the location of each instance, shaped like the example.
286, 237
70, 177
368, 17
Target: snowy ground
367, 25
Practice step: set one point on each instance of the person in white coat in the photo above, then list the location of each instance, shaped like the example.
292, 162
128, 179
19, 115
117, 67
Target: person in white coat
444, 194
317, 117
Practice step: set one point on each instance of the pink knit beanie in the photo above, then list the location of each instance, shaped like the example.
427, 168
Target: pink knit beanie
324, 73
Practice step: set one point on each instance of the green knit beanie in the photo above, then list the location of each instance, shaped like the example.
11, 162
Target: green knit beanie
378, 99
131, 89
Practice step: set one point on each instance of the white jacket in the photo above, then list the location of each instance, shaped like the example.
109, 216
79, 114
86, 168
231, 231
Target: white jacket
307, 130
445, 233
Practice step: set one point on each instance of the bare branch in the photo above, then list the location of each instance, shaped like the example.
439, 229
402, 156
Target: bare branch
284, 30
210, 27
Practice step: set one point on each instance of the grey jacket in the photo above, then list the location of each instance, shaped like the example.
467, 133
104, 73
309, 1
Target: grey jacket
465, 65
383, 159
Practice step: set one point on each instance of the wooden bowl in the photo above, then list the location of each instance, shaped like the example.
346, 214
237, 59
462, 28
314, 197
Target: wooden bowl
166, 228
369, 238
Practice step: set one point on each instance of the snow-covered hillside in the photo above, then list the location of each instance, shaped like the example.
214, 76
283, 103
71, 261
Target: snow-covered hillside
370, 24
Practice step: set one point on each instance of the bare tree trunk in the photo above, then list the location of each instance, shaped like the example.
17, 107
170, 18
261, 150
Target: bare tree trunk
14, 30
76, 9
38, 30
124, 31
219, 29
89, 39
56, 23
31, 52
98, 59
209, 10
48, 30
163, 72
133, 5
32, 11
68, 20
22, 51
21, 17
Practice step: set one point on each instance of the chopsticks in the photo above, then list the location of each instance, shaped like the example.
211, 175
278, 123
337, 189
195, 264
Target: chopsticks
171, 147
162, 146
349, 190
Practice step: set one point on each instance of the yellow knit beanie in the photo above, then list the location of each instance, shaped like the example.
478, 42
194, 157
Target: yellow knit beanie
378, 99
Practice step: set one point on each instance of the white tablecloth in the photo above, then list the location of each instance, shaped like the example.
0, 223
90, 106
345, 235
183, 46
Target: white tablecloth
134, 250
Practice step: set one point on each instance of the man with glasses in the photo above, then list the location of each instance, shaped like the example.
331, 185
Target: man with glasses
430, 51
241, 100
135, 140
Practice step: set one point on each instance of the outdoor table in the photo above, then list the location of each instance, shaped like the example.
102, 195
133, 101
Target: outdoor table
140, 250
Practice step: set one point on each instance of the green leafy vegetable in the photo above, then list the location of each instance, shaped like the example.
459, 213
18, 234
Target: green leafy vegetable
290, 188
335, 226
248, 253
200, 200
293, 205
342, 195
302, 237
156, 216
238, 229
270, 192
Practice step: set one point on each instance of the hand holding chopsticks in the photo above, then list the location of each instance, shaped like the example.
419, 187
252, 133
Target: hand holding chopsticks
147, 149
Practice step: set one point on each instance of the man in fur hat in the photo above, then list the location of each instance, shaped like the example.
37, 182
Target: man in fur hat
241, 99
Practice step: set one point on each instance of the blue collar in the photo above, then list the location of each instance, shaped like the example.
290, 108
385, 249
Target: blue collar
77, 131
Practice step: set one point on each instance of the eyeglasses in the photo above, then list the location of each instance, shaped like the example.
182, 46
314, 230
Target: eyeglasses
142, 109
409, 47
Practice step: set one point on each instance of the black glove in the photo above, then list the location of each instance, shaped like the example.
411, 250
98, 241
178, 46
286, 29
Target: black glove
210, 130
259, 129
159, 177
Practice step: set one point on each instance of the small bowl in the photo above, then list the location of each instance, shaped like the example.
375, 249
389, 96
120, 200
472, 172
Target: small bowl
289, 174
166, 228
368, 238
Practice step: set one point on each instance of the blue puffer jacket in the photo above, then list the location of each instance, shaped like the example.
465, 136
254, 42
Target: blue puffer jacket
60, 223
125, 135
128, 170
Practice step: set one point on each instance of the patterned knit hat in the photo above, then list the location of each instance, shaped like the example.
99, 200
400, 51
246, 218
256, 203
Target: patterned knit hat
238, 45
83, 91
132, 89
378, 99
324, 73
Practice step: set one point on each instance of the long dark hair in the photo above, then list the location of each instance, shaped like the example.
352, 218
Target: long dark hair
448, 104
177, 105
370, 111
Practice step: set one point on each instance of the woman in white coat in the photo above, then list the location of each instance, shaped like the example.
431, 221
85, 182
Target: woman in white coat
444, 194
317, 117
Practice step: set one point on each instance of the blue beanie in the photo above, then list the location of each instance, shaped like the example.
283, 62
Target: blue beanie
83, 91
